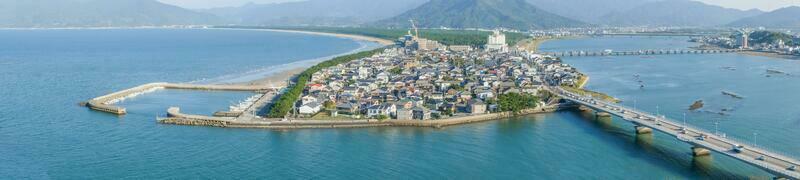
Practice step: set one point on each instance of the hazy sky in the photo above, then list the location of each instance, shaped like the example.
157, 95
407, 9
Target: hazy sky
739, 4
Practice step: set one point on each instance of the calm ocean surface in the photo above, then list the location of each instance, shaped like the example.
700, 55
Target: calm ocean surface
45, 135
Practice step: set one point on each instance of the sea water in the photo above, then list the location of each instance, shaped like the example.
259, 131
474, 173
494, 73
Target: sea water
44, 134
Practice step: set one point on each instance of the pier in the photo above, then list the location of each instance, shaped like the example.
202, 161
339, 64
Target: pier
703, 141
106, 103
638, 53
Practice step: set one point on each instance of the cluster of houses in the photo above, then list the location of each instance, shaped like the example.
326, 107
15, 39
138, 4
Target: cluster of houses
408, 83
743, 42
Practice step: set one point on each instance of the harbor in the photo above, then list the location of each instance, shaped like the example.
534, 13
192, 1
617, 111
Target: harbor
106, 103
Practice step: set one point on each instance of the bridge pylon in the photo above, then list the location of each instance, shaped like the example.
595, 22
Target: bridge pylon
700, 151
643, 130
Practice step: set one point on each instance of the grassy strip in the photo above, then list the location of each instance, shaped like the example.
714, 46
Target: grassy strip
582, 80
284, 104
578, 88
603, 96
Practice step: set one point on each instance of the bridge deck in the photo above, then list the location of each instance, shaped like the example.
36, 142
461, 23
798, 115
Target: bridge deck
640, 52
770, 161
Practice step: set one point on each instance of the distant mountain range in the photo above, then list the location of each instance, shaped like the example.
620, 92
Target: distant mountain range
96, 13
788, 17
316, 12
516, 14
676, 13
587, 10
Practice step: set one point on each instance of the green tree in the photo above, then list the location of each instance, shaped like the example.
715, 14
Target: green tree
396, 70
515, 102
382, 117
329, 105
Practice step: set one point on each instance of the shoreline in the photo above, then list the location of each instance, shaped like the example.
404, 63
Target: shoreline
533, 44
276, 76
339, 35
770, 55
704, 46
287, 71
267, 75
177, 118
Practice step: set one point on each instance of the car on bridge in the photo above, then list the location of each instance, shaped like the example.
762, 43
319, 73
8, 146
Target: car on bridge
738, 148
702, 137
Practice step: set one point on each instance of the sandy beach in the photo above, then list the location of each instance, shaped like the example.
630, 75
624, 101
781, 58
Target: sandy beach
532, 44
279, 78
350, 36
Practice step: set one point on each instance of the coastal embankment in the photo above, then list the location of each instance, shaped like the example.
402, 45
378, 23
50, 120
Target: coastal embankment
705, 46
105, 103
770, 54
177, 118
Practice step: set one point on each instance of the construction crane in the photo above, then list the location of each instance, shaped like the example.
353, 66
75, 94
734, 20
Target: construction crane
416, 30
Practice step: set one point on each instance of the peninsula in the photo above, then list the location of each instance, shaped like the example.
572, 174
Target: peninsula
414, 82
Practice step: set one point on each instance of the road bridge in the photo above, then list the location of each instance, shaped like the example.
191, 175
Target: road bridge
656, 34
638, 53
703, 141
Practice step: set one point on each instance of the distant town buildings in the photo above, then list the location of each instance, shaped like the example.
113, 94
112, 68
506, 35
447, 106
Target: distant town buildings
744, 40
417, 43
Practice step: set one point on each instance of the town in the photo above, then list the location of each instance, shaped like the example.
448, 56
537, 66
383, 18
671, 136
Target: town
421, 79
760, 41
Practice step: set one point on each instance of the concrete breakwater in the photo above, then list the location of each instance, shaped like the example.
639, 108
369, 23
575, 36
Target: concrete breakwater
177, 118
105, 103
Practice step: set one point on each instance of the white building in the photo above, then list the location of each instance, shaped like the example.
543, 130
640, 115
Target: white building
310, 108
426, 44
497, 42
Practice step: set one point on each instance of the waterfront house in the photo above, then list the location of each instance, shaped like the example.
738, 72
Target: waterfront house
477, 107
310, 108
347, 108
421, 113
308, 99
386, 109
405, 113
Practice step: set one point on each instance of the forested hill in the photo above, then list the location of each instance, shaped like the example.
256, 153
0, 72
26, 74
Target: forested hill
772, 37
514, 14
96, 13
788, 17
676, 13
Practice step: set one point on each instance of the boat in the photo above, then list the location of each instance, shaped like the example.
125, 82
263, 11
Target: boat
775, 71
696, 105
731, 94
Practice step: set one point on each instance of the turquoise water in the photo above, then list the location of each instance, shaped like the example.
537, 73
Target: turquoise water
617, 43
45, 135
767, 117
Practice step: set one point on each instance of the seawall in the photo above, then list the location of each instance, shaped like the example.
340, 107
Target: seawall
177, 118
105, 103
